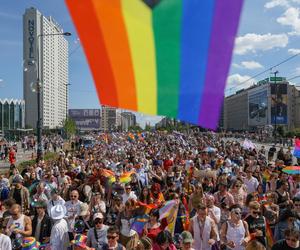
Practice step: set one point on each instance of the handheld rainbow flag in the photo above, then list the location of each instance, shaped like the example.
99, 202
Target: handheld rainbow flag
297, 148
169, 211
170, 58
139, 223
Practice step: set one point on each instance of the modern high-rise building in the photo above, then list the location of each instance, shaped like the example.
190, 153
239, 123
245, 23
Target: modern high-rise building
51, 53
269, 102
128, 120
110, 118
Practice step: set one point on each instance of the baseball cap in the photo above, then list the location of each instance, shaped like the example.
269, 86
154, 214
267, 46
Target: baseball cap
187, 237
98, 216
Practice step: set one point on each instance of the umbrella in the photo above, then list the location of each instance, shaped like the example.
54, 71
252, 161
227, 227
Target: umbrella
210, 149
292, 170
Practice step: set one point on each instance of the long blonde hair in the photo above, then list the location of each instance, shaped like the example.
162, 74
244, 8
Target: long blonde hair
255, 245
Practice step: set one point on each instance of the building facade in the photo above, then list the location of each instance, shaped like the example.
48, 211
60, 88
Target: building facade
86, 119
269, 102
128, 120
12, 115
110, 118
50, 55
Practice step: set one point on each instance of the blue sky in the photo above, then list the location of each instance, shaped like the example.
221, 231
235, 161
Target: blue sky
269, 33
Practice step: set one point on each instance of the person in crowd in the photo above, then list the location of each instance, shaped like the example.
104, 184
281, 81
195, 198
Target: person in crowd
204, 227
235, 232
256, 223
97, 204
291, 240
59, 237
145, 196
41, 223
286, 220
19, 225
283, 199
113, 235
73, 209
54, 200
250, 182
164, 241
5, 241
20, 194
154, 226
187, 241
97, 235
129, 194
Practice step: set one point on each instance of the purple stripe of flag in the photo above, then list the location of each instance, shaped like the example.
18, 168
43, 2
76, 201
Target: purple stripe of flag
224, 29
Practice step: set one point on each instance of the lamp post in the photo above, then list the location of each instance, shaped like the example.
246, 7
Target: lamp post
38, 90
276, 93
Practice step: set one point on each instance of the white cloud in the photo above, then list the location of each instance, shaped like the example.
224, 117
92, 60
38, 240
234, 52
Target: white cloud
236, 65
236, 79
252, 42
294, 51
291, 18
251, 65
274, 3
297, 71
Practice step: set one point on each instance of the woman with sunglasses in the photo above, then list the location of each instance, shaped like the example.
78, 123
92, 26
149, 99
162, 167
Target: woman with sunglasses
234, 232
238, 193
97, 236
256, 223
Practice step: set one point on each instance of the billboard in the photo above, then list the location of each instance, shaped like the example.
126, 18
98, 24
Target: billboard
87, 119
279, 103
258, 109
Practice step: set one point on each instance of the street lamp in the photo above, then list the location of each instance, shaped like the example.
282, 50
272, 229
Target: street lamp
276, 93
38, 91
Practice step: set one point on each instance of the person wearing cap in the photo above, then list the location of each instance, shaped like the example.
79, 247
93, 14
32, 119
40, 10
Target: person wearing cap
83, 220
20, 193
187, 241
129, 194
96, 236
41, 223
59, 238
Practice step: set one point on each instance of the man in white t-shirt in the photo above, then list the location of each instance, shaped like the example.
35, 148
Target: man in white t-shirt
128, 194
250, 182
73, 209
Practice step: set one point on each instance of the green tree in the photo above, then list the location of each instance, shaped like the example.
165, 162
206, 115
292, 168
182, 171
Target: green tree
69, 127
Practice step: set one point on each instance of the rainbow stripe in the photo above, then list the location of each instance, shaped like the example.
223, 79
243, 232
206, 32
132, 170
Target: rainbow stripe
297, 148
171, 60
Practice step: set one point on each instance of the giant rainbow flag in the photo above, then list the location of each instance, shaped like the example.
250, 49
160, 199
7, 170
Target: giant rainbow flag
159, 57
297, 148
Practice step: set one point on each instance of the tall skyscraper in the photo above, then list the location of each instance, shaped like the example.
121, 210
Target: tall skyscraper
52, 52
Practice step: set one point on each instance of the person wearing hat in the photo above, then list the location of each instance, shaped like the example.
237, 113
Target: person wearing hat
96, 236
30, 243
20, 193
82, 222
129, 194
41, 223
59, 238
187, 240
80, 242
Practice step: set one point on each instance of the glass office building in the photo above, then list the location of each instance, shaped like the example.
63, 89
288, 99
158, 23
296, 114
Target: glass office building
12, 114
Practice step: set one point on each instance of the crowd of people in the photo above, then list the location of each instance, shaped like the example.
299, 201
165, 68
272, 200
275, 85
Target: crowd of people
153, 190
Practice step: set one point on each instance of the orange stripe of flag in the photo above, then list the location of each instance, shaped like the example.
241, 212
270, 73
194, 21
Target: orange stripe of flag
84, 18
110, 18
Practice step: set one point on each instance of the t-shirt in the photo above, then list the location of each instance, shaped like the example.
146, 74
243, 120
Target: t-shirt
5, 242
17, 196
279, 245
257, 224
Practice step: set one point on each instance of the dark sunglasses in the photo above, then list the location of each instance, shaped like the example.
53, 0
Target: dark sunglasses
256, 212
98, 222
112, 237
73, 196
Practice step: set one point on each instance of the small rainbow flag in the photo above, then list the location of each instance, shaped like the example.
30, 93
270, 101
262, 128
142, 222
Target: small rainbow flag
167, 57
297, 148
269, 236
169, 211
139, 223
124, 178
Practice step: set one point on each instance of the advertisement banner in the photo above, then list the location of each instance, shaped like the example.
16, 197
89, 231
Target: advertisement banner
279, 104
258, 109
86, 118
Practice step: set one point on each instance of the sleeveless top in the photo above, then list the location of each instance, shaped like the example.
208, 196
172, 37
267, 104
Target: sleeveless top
201, 233
236, 234
17, 224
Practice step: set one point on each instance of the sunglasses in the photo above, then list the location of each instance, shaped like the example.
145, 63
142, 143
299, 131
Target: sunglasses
128, 188
237, 213
73, 196
111, 237
297, 205
97, 222
256, 212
